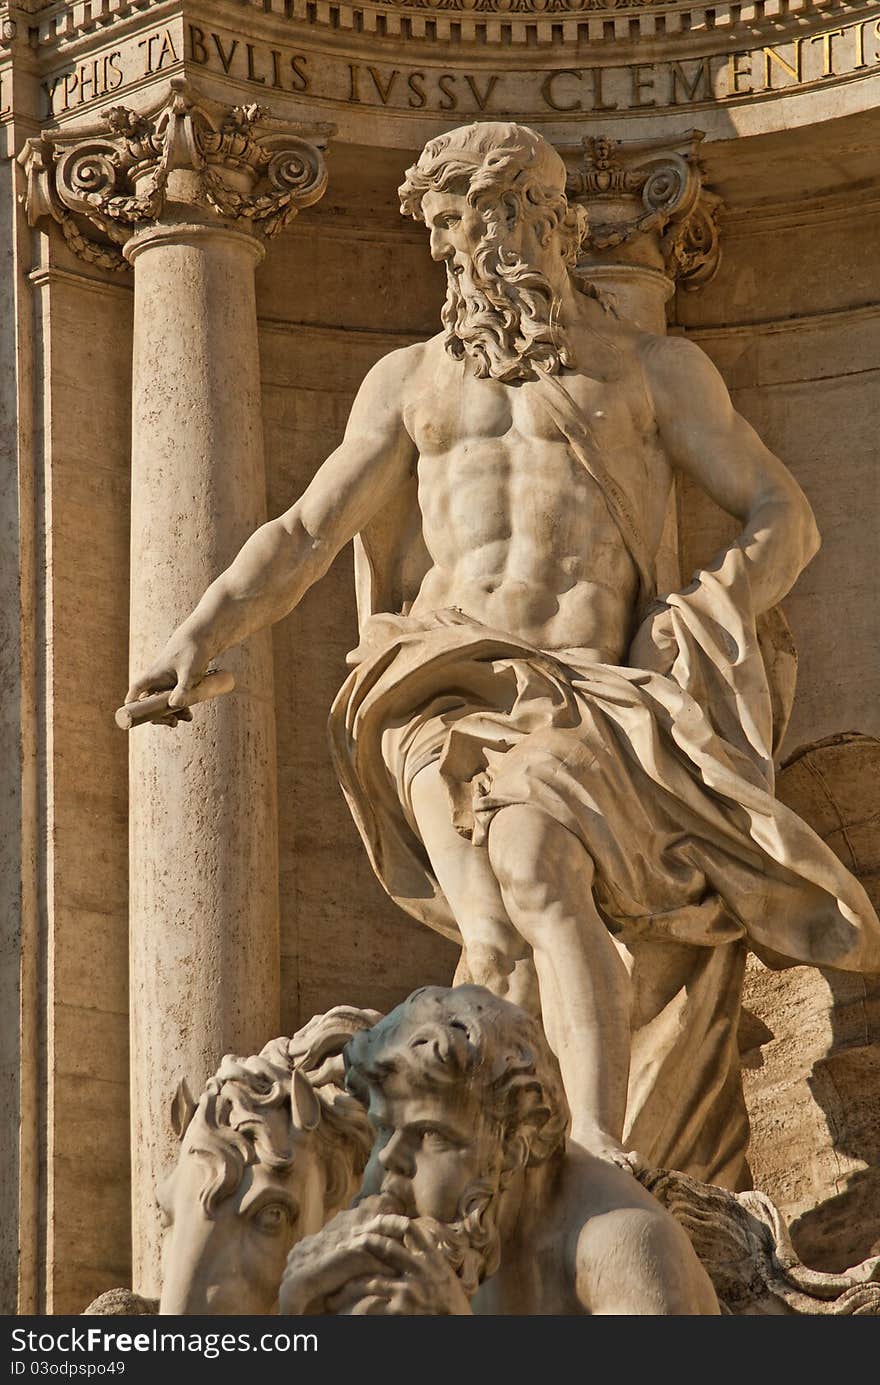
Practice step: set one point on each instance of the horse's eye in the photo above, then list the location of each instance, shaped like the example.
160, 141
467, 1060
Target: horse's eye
272, 1219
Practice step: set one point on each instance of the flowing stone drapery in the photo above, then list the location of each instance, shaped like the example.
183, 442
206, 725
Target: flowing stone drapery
187, 193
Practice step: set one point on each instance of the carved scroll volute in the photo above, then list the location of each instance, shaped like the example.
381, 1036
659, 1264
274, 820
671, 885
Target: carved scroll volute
294, 174
74, 188
652, 190
189, 152
692, 247
37, 161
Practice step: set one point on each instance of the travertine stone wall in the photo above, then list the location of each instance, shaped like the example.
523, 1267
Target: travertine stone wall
812, 1090
813, 1086
793, 323
17, 785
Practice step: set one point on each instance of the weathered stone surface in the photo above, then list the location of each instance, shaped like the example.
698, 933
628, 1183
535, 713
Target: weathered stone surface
121, 1303
745, 1246
812, 1080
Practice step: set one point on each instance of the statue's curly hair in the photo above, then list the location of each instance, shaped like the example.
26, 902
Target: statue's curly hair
494, 160
441, 1037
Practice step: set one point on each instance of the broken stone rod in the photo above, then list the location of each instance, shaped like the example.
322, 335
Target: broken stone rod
155, 707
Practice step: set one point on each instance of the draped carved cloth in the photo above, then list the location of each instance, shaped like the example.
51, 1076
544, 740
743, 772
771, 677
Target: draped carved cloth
666, 780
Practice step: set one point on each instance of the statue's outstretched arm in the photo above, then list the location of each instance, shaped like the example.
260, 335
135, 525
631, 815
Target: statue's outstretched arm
283, 558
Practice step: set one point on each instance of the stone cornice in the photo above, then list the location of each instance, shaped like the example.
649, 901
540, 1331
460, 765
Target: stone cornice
603, 27
841, 318
46, 275
745, 222
830, 319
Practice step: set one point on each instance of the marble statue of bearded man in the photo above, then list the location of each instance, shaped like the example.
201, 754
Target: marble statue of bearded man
567, 775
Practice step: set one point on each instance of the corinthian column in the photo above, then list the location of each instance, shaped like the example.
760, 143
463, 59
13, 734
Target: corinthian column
187, 194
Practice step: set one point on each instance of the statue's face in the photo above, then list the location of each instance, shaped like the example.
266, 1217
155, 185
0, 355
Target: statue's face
430, 1148
455, 229
504, 271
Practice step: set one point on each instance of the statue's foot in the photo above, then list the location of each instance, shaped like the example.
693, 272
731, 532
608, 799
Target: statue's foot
604, 1146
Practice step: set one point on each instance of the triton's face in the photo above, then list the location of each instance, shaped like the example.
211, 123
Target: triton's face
430, 1148
455, 228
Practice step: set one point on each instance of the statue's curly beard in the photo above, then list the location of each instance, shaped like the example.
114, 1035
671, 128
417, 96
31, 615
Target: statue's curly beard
503, 319
471, 1243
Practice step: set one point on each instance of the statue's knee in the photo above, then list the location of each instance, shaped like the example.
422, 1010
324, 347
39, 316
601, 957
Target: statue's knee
532, 858
514, 842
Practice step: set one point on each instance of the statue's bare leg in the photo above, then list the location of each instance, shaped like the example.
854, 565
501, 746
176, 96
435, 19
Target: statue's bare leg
494, 955
546, 877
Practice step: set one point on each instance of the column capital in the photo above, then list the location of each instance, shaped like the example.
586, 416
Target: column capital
648, 204
188, 158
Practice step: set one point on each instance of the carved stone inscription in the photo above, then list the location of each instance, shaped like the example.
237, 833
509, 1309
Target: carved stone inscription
101, 75
810, 60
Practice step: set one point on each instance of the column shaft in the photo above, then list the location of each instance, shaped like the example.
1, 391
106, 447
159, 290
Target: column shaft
203, 826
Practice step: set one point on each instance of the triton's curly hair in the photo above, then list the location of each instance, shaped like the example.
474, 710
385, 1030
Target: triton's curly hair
441, 1037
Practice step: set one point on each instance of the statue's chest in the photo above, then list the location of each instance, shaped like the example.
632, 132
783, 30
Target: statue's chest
465, 409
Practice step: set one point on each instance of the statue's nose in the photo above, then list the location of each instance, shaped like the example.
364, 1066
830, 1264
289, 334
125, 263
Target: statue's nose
440, 247
395, 1156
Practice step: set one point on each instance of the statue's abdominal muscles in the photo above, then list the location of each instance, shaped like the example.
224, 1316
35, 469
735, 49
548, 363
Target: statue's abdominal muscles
522, 541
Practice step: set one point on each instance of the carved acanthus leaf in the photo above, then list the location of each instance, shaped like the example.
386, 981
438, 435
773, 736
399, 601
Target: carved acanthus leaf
119, 178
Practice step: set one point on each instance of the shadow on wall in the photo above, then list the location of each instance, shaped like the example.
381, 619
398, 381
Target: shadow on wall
845, 1229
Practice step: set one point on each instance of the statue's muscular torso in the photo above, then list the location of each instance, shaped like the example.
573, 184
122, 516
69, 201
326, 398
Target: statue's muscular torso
519, 534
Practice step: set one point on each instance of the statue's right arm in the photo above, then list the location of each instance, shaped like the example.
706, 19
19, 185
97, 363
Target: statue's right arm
283, 558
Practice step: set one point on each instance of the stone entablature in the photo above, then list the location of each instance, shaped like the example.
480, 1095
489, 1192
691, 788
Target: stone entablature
419, 64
